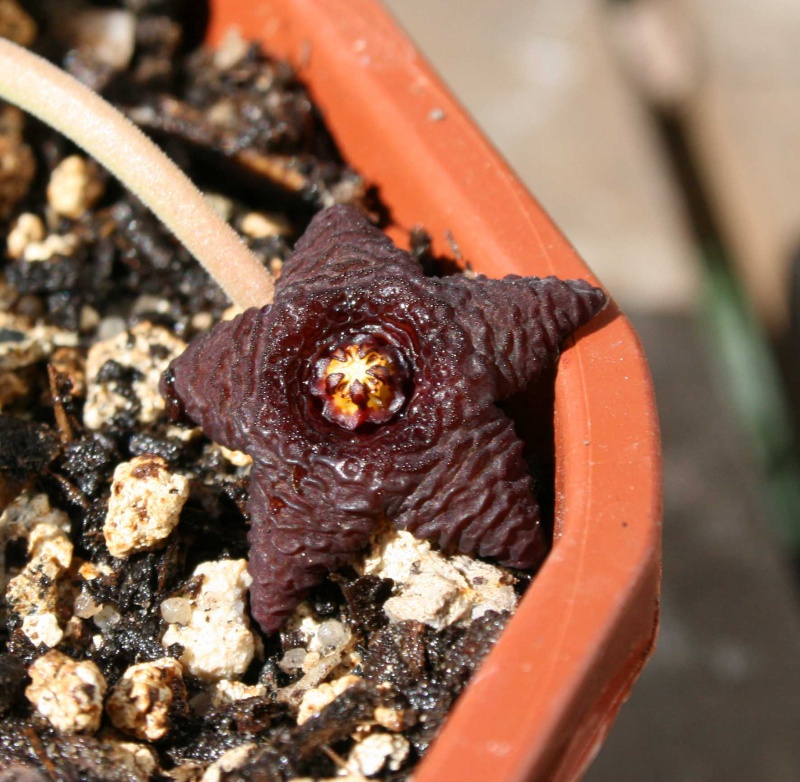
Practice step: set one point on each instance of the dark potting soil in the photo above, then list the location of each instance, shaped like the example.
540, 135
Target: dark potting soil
96, 298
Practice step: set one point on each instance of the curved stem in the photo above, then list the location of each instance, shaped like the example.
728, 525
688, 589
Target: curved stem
92, 123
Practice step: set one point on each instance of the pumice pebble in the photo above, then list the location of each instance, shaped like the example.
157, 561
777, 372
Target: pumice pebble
33, 594
145, 505
435, 589
227, 763
314, 701
68, 693
138, 760
217, 641
27, 229
142, 701
376, 751
50, 246
176, 610
225, 692
143, 353
75, 186
22, 345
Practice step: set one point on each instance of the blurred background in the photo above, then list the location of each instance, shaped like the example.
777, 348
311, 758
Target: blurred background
663, 136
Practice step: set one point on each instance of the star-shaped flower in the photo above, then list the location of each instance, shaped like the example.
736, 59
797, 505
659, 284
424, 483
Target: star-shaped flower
367, 391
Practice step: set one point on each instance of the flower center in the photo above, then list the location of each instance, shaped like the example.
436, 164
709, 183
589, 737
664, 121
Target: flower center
360, 381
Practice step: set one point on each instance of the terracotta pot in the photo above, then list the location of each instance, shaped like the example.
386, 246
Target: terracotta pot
543, 701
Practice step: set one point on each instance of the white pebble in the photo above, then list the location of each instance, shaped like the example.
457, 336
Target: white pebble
217, 641
68, 693
176, 610
55, 244
142, 700
109, 327
109, 34
236, 458
89, 319
389, 718
33, 594
431, 596
231, 50
106, 617
138, 760
490, 586
229, 761
224, 692
259, 225
377, 750
222, 205
202, 321
27, 228
314, 701
22, 345
85, 606
303, 624
436, 589
25, 513
333, 634
145, 505
146, 302
293, 660
74, 186
148, 349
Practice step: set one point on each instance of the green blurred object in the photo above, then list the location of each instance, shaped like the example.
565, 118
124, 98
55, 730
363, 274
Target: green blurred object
749, 369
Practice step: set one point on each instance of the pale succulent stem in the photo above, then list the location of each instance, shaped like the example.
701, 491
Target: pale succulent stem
92, 123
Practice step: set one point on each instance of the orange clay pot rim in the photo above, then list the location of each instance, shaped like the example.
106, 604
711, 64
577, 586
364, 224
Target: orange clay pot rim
542, 701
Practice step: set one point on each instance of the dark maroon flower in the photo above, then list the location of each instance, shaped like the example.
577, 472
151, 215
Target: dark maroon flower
367, 391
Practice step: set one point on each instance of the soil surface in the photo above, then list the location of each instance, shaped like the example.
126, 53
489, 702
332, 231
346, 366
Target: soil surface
126, 648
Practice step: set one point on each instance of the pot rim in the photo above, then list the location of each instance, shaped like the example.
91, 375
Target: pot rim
544, 699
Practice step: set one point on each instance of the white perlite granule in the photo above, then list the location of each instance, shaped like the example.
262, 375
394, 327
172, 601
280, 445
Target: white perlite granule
146, 348
314, 701
145, 505
68, 693
75, 185
327, 647
260, 225
224, 692
216, 640
24, 514
142, 700
138, 760
33, 594
176, 610
227, 762
22, 345
236, 458
52, 245
27, 229
108, 34
377, 750
435, 589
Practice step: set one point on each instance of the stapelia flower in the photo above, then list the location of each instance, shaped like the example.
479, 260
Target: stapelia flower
367, 391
